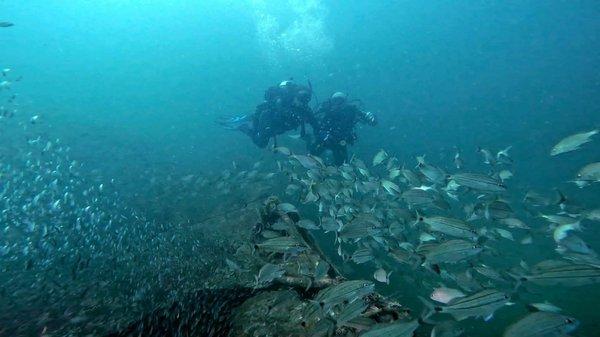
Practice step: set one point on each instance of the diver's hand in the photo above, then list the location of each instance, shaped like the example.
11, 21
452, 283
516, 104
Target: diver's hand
370, 117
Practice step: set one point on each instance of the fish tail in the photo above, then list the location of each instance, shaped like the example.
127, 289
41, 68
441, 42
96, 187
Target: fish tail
519, 278
419, 219
561, 198
428, 311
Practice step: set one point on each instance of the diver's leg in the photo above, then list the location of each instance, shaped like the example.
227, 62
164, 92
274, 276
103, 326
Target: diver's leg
261, 140
263, 129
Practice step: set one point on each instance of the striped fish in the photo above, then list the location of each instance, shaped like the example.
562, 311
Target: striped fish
450, 226
479, 182
401, 329
351, 311
568, 274
452, 251
481, 304
362, 256
284, 244
359, 228
542, 324
345, 291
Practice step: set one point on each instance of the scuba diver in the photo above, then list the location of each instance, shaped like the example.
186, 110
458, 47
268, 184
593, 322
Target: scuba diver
337, 118
285, 107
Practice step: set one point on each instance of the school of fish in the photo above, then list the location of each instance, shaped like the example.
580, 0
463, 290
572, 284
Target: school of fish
433, 227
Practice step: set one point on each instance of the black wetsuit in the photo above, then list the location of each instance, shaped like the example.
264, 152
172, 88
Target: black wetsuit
282, 110
336, 129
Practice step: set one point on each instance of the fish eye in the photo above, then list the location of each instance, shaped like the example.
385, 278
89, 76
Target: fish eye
568, 321
506, 296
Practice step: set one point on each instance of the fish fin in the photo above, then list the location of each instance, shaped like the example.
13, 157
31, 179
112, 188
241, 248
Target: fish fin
429, 310
310, 282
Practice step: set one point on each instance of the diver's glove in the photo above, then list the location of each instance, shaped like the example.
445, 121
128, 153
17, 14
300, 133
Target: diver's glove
370, 117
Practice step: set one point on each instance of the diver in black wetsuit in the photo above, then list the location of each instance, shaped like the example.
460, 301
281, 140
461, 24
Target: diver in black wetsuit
285, 107
337, 118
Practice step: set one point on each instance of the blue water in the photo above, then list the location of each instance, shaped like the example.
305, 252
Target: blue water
133, 88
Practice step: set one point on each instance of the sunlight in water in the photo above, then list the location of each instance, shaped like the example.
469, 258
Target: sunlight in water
301, 36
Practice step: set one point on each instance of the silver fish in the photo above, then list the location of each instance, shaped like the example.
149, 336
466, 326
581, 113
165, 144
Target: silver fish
488, 157
345, 291
330, 224
505, 175
307, 224
450, 226
446, 329
590, 173
575, 244
489, 272
554, 272
452, 251
362, 256
434, 174
420, 198
417, 197
481, 304
542, 324
351, 311
283, 150
287, 208
379, 157
411, 178
390, 187
514, 223
497, 209
445, 295
545, 306
458, 162
268, 273
572, 143
308, 162
478, 182
394, 173
284, 244
400, 329
359, 228
593, 215
503, 157
504, 233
